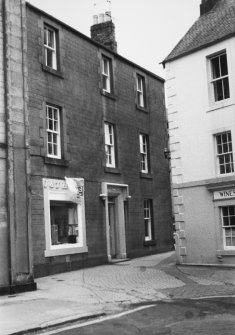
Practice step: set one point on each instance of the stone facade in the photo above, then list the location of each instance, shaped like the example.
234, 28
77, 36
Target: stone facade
74, 89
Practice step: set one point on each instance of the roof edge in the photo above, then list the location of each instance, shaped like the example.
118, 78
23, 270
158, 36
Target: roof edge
77, 32
167, 60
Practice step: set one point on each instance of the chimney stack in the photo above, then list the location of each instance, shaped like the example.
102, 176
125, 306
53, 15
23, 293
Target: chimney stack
103, 31
206, 6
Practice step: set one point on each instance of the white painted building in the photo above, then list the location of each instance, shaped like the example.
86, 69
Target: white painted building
200, 90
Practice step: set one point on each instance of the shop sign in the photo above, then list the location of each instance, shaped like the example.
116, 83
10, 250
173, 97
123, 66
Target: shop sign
224, 194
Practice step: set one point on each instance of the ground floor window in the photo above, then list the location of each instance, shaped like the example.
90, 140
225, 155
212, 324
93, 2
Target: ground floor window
64, 223
64, 212
228, 225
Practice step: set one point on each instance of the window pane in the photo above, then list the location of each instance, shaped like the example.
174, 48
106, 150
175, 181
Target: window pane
215, 68
49, 59
226, 88
218, 90
223, 65
64, 223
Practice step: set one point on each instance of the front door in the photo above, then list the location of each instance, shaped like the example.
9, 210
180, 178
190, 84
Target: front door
112, 227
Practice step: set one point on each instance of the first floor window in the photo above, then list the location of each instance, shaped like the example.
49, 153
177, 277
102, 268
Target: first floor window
50, 47
109, 145
144, 153
106, 74
224, 153
53, 132
64, 222
219, 77
228, 225
140, 91
148, 235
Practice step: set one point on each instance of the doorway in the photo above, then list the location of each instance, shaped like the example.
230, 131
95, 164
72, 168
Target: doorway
112, 227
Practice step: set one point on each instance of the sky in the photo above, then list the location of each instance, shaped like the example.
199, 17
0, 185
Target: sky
146, 30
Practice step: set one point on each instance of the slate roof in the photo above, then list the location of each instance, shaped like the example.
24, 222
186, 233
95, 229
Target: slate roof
216, 25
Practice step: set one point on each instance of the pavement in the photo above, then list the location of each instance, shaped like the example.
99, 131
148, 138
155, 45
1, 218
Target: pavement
110, 289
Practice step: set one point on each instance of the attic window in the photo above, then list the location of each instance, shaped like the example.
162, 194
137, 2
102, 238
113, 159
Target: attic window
219, 77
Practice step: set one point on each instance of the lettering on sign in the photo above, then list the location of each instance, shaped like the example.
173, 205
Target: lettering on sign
224, 194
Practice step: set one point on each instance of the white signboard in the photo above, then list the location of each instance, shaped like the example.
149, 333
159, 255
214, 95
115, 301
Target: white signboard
224, 194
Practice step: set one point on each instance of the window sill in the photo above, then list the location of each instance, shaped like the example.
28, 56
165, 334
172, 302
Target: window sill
150, 243
146, 175
112, 170
52, 71
56, 161
230, 252
220, 105
142, 109
65, 251
108, 95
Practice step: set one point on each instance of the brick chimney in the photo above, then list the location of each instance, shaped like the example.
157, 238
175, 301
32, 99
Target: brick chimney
206, 6
103, 31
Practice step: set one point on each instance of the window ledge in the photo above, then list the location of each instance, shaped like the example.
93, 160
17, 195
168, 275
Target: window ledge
150, 243
65, 251
220, 105
225, 252
142, 109
52, 71
108, 95
112, 170
56, 161
146, 175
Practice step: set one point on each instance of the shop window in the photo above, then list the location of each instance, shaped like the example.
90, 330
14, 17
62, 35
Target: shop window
50, 47
64, 223
224, 153
219, 77
228, 225
148, 229
64, 212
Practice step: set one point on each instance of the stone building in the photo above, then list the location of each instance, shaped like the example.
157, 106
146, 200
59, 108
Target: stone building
87, 181
200, 90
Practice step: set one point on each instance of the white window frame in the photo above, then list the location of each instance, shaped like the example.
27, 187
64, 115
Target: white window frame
58, 190
140, 86
50, 48
222, 154
106, 74
227, 227
53, 128
214, 80
148, 220
144, 153
109, 145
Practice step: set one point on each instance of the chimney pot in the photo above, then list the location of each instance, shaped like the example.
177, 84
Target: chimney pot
95, 19
101, 18
107, 16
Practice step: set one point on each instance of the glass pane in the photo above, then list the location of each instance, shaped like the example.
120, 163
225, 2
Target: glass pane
55, 126
215, 68
45, 36
222, 169
226, 221
50, 124
231, 210
223, 65
49, 148
226, 88
218, 90
224, 137
232, 221
51, 38
49, 59
105, 79
225, 211
218, 139
64, 224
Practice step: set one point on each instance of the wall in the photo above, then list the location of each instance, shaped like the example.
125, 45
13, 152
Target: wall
4, 256
193, 120
85, 109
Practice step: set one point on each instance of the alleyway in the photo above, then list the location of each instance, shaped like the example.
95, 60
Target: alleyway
109, 289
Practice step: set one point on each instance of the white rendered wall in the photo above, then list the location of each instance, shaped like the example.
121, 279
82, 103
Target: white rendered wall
192, 118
